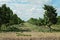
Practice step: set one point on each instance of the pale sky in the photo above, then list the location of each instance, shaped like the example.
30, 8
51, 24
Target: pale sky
26, 9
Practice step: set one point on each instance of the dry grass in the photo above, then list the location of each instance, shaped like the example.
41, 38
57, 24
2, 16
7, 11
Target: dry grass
35, 36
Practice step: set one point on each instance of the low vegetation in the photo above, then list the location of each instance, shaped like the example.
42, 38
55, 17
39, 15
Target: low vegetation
21, 34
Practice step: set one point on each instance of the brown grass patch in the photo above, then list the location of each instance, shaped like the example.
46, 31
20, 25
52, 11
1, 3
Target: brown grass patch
35, 36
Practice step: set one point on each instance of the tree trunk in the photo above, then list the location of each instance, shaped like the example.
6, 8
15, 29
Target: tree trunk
0, 27
49, 27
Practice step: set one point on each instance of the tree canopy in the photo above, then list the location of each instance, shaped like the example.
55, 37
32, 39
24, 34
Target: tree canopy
7, 16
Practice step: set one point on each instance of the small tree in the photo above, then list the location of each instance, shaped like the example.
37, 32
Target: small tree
50, 15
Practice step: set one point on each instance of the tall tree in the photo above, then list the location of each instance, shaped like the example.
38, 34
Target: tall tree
7, 17
5, 14
50, 15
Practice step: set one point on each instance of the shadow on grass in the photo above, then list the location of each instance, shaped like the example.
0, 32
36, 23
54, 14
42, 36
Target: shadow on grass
14, 29
56, 30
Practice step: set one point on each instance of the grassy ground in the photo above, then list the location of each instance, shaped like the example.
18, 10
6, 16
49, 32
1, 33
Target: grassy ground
34, 28
27, 27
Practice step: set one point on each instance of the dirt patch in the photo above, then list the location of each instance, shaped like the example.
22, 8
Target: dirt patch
32, 38
35, 36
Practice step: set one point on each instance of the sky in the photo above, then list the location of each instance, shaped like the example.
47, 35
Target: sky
25, 9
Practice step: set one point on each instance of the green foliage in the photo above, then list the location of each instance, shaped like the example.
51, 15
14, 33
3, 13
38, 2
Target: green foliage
38, 22
32, 21
5, 14
20, 34
58, 22
7, 17
50, 14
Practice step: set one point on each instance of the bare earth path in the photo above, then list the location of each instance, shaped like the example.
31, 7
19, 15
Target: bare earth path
34, 36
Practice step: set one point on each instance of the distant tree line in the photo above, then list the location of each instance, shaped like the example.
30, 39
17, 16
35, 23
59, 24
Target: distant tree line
38, 22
